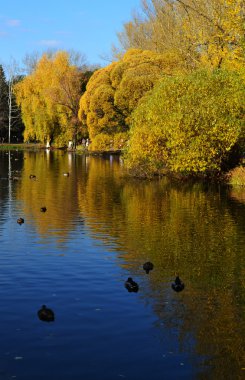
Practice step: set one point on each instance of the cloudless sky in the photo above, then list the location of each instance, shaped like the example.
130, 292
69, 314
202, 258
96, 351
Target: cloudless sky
87, 26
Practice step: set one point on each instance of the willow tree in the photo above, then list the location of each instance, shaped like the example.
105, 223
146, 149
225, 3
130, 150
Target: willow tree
113, 93
97, 110
49, 100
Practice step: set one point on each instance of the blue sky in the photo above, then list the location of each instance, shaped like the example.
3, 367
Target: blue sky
89, 27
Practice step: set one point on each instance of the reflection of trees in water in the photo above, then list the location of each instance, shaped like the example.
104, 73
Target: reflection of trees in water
189, 229
10, 166
49, 189
3, 178
193, 230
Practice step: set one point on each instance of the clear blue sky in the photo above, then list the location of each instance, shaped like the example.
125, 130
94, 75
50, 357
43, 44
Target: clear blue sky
87, 26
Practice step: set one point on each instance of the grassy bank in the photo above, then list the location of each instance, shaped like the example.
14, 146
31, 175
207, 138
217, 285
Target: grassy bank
21, 146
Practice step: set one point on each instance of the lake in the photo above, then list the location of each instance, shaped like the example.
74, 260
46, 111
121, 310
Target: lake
100, 227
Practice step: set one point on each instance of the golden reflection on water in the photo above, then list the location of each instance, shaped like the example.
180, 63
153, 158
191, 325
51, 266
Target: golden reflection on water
190, 229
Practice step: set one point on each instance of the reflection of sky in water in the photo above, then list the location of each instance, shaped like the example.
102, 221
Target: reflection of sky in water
98, 230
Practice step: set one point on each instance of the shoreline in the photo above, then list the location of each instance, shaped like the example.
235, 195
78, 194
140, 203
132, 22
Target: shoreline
21, 146
221, 177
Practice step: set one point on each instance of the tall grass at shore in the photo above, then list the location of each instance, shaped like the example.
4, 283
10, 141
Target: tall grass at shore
237, 176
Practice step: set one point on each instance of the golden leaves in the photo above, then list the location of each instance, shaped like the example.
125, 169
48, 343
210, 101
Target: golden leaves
49, 98
115, 91
188, 123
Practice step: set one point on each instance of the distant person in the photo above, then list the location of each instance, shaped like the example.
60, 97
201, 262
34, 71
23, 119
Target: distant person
70, 144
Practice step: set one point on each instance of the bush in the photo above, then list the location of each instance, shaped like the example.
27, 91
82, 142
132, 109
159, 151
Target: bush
101, 142
104, 142
189, 124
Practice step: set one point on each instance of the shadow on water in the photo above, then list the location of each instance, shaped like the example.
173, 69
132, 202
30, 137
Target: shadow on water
194, 231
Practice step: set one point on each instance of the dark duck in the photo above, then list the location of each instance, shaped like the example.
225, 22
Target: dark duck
45, 314
148, 266
131, 285
178, 285
43, 209
20, 221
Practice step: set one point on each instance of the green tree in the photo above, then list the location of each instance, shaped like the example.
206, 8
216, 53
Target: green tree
11, 123
3, 105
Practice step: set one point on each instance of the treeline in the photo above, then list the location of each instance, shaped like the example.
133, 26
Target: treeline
49, 99
11, 125
173, 99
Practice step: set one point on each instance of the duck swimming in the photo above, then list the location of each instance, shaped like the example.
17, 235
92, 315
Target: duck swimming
32, 176
45, 314
131, 285
66, 174
148, 266
43, 209
20, 221
178, 285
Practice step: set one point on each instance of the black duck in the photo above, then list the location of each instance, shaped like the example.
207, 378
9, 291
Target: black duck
178, 285
131, 285
148, 266
45, 314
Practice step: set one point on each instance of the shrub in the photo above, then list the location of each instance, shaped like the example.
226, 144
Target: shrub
101, 142
189, 124
104, 142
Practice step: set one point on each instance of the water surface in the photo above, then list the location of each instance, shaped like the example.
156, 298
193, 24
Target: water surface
98, 230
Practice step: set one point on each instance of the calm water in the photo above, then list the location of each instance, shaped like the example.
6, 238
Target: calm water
99, 229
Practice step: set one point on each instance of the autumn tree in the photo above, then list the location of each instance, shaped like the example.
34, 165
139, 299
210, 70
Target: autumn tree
203, 32
113, 93
189, 124
97, 110
49, 99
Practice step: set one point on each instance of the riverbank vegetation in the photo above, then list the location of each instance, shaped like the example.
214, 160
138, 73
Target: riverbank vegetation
177, 89
172, 99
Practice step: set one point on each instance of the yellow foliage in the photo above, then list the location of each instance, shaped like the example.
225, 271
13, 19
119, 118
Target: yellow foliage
104, 142
113, 92
207, 33
189, 124
49, 99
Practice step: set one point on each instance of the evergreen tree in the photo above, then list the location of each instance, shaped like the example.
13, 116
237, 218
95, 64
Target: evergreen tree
14, 112
3, 105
